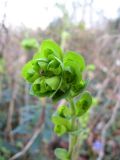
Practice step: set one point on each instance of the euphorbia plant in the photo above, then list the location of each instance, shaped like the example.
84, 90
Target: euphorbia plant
55, 74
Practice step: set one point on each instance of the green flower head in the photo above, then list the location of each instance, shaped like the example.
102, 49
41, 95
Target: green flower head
53, 73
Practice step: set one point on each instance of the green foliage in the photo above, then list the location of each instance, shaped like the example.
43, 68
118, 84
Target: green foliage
30, 43
61, 154
2, 158
83, 104
55, 74
90, 67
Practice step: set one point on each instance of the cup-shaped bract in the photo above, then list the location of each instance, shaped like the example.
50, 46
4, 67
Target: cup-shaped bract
40, 65
55, 66
48, 48
78, 88
64, 111
29, 73
83, 104
58, 120
60, 130
74, 64
45, 86
62, 154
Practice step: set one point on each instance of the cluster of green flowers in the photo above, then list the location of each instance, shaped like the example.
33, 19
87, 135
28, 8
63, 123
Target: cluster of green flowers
58, 75
53, 73
63, 115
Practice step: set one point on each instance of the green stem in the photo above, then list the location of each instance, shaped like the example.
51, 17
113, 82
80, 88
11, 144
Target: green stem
72, 138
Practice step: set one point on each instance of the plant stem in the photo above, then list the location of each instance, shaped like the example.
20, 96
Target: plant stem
72, 138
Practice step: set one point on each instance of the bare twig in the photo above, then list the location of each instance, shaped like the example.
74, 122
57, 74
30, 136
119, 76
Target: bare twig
107, 126
10, 113
33, 138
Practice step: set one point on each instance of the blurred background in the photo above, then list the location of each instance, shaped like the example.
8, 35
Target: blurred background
89, 27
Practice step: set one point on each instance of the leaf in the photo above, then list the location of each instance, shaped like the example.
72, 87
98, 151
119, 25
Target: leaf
63, 111
40, 88
29, 73
53, 82
57, 120
47, 48
2, 158
40, 65
55, 66
30, 43
62, 91
45, 86
83, 104
76, 63
78, 88
69, 75
60, 94
60, 130
62, 154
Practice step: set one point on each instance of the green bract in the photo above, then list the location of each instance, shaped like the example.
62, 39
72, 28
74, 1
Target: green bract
62, 154
60, 130
64, 111
48, 48
83, 104
53, 73
30, 43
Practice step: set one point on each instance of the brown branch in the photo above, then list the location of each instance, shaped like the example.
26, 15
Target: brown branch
11, 113
38, 130
107, 126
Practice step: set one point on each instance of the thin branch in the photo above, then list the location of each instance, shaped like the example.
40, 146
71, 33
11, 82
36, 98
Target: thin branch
11, 113
33, 138
107, 126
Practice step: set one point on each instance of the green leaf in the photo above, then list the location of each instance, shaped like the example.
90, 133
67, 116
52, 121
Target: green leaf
63, 111
69, 74
76, 64
47, 48
45, 86
83, 104
57, 120
78, 88
55, 66
60, 130
29, 73
53, 82
2, 158
40, 65
60, 94
62, 154
30, 43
